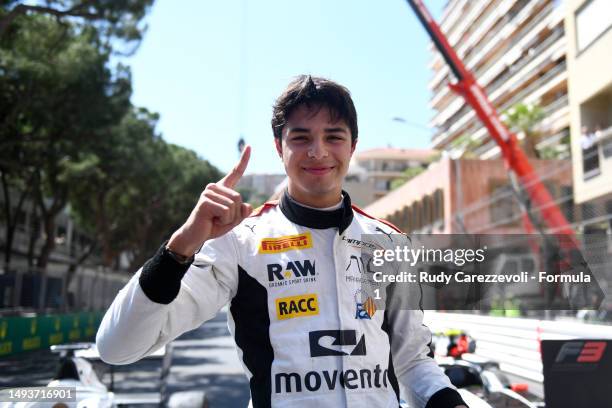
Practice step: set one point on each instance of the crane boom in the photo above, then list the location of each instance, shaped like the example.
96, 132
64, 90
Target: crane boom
514, 158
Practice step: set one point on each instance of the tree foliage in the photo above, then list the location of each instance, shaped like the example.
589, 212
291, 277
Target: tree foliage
466, 145
118, 20
60, 94
409, 173
70, 137
524, 117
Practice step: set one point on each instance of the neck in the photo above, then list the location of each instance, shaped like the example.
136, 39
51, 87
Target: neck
330, 208
297, 213
319, 202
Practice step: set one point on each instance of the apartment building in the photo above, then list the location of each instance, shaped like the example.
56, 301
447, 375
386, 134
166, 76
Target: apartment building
260, 186
589, 27
517, 51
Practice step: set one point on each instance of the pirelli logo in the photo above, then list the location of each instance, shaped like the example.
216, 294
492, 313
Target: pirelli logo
286, 243
297, 306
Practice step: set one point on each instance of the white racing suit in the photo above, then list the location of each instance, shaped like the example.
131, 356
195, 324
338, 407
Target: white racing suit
304, 335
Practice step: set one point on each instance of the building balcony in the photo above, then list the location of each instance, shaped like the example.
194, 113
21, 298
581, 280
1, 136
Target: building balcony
478, 9
596, 147
528, 94
453, 11
513, 42
516, 47
527, 66
503, 17
555, 120
520, 73
500, 32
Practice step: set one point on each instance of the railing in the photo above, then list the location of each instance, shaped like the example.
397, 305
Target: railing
515, 69
491, 35
518, 37
591, 157
522, 33
554, 106
536, 84
514, 342
443, 135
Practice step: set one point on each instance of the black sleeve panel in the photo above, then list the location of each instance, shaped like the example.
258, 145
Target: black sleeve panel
161, 276
445, 398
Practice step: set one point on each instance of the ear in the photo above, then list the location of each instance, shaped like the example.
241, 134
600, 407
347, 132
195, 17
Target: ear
279, 147
354, 145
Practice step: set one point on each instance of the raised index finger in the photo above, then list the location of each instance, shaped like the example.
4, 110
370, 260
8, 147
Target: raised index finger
233, 176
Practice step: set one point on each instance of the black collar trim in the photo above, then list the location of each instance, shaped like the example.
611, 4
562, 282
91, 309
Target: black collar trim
311, 218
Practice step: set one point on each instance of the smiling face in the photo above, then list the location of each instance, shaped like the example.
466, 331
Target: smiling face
316, 153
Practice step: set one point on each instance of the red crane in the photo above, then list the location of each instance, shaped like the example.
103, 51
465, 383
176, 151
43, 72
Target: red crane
515, 160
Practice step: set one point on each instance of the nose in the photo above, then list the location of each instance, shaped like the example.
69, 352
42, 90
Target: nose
317, 150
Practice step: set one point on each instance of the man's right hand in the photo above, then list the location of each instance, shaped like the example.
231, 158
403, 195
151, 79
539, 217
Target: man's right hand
219, 209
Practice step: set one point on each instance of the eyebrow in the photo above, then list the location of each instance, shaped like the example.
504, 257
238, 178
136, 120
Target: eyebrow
329, 130
299, 130
336, 129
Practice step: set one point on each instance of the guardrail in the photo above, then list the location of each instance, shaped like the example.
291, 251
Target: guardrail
514, 342
19, 334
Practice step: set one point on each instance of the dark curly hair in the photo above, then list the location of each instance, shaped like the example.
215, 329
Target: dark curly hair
314, 92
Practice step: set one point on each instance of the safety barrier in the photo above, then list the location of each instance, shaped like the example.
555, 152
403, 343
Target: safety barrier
19, 334
514, 342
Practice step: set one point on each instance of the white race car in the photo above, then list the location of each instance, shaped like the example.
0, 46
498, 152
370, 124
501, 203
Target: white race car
76, 375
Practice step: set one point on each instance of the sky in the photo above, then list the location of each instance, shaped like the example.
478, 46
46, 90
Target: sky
212, 70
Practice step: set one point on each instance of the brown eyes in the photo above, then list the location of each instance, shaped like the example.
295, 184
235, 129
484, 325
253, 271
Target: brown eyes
299, 139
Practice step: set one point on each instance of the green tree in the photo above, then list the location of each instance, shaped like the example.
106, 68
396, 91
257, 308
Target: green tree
412, 172
408, 174
466, 145
57, 95
524, 117
116, 20
140, 190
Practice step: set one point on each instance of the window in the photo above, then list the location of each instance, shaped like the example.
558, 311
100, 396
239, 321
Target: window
590, 159
503, 208
592, 20
380, 185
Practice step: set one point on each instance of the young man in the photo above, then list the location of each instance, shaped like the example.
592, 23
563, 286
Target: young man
283, 269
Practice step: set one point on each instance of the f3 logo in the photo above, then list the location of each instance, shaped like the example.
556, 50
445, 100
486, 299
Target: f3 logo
321, 340
581, 351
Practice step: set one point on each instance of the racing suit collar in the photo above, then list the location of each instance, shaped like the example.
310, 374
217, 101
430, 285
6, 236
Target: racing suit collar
312, 218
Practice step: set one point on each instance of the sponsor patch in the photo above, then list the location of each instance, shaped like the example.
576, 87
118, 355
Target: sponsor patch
285, 243
360, 244
325, 343
365, 308
292, 272
297, 306
329, 380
